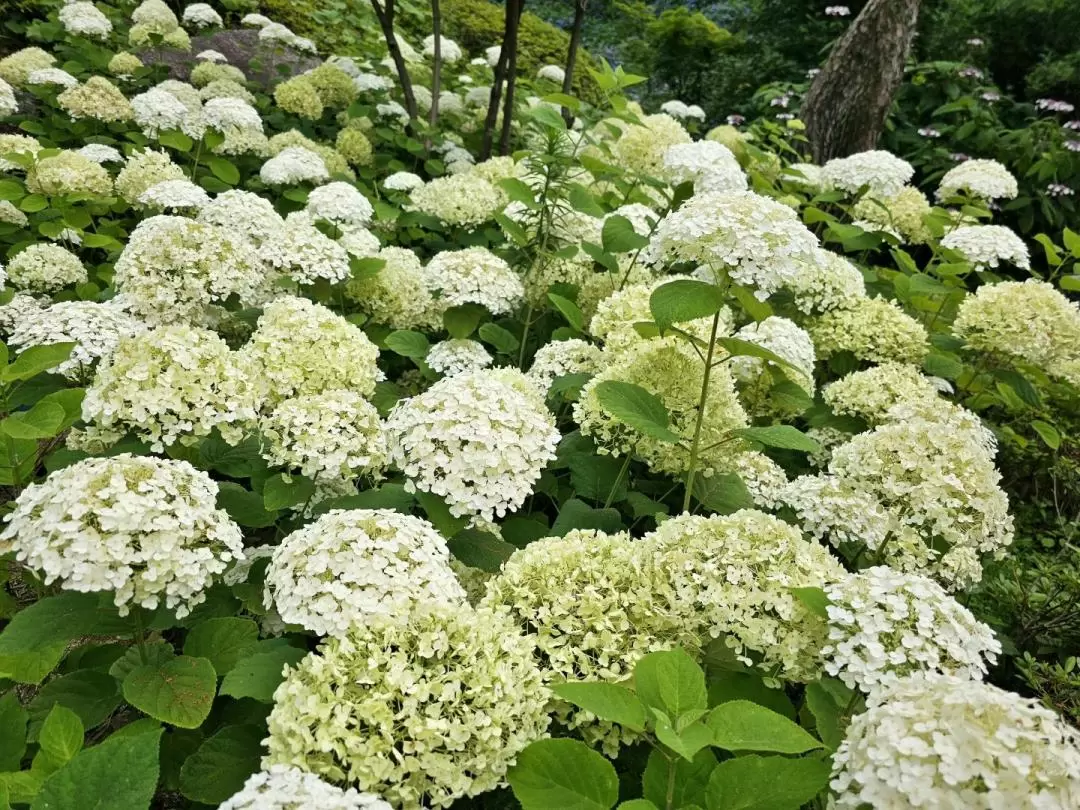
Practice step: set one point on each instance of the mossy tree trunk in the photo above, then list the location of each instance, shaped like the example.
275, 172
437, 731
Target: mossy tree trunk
385, 15
572, 52
848, 102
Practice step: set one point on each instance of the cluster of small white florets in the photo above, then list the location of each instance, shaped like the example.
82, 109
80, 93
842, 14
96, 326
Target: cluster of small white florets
171, 382
474, 276
398, 295
341, 204
640, 148
870, 393
158, 110
201, 15
455, 686
9, 105
988, 245
987, 179
147, 529
710, 166
480, 440
934, 740
449, 51
884, 624
94, 328
84, 19
56, 76
100, 153
225, 114
882, 173
335, 434
305, 254
872, 329
144, 169
756, 240
245, 214
784, 338
561, 357
403, 181
174, 194
294, 164
459, 199
681, 111
281, 787
349, 567
456, 356
45, 268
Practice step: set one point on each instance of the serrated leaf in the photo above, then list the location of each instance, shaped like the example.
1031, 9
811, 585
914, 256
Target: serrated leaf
618, 235
61, 736
688, 785
281, 492
740, 725
152, 652
826, 714
179, 692
686, 743
43, 421
37, 359
257, 676
519, 191
564, 774
576, 514
608, 701
221, 765
684, 300
222, 641
13, 720
671, 682
91, 695
1048, 433
766, 783
722, 493
224, 171
634, 406
785, 437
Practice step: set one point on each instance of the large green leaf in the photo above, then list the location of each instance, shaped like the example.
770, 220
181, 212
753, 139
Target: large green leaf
91, 695
13, 720
222, 641
672, 682
480, 549
179, 692
43, 421
740, 725
258, 675
634, 406
35, 360
563, 774
119, 774
689, 783
222, 764
61, 736
785, 437
766, 783
244, 506
283, 491
608, 701
408, 343
684, 300
619, 236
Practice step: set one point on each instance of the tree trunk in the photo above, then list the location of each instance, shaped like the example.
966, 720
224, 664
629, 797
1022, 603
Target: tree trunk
571, 54
492, 116
848, 102
517, 6
436, 69
385, 15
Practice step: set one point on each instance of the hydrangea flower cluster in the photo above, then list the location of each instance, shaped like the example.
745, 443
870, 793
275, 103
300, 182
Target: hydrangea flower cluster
292, 165
783, 338
934, 740
873, 329
68, 173
455, 356
144, 528
455, 685
334, 433
45, 268
902, 212
884, 624
474, 276
871, 393
281, 787
882, 173
398, 295
988, 245
96, 98
145, 168
710, 166
562, 357
347, 568
459, 199
830, 283
986, 179
245, 214
305, 254
341, 204
641, 147
479, 440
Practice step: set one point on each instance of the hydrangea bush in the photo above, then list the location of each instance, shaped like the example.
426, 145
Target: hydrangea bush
360, 453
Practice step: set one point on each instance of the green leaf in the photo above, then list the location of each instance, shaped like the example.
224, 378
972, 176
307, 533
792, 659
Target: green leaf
596, 477
581, 200
562, 774
766, 783
638, 804
634, 406
672, 682
576, 514
740, 725
790, 396
618, 235
814, 600
1048, 433
408, 343
688, 742
61, 735
601, 257
37, 359
244, 506
737, 347
438, 513
13, 720
281, 491
501, 339
480, 549
690, 781
519, 191
179, 692
569, 310
222, 641
257, 676
120, 773
1021, 385
1072, 242
222, 764
782, 436
460, 321
684, 300
826, 712
722, 493
156, 653
725, 686
91, 695
1070, 283
547, 117
224, 170
43, 421
1053, 258
608, 701
176, 140
236, 461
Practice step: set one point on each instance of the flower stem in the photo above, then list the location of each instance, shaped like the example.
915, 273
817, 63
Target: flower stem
692, 471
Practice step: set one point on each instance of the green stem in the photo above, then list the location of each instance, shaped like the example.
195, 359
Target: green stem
140, 635
525, 337
618, 480
692, 471
669, 798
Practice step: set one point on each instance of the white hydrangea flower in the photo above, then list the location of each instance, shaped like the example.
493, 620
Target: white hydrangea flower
293, 164
9, 105
283, 787
758, 241
827, 506
986, 179
143, 169
459, 199
872, 329
18, 309
934, 740
806, 176
884, 625
830, 283
403, 181
335, 433
479, 440
561, 357
449, 51
883, 173
45, 268
474, 276
371, 82
12, 215
95, 329
146, 528
640, 148
709, 165
158, 110
84, 19
56, 76
553, 73
870, 393
255, 20
173, 268
765, 480
491, 54
397, 295
455, 356
305, 254
391, 109
100, 153
172, 194
300, 348
227, 113
455, 686
784, 338
988, 245
341, 204
210, 55
201, 15
171, 382
360, 242
245, 214
349, 567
